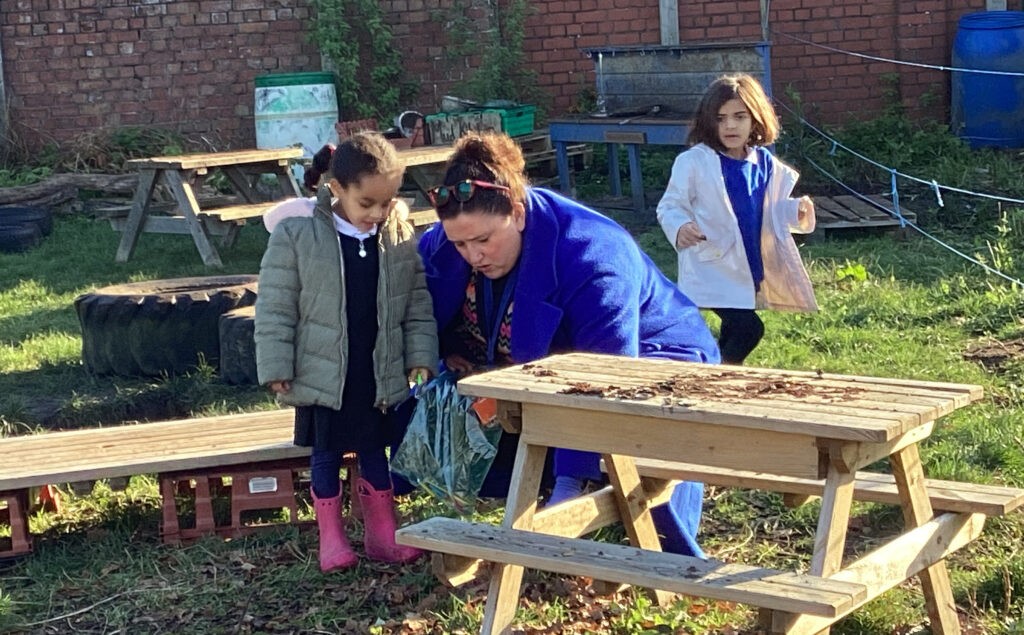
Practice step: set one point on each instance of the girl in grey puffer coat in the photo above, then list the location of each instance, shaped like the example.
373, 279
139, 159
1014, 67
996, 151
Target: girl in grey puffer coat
343, 323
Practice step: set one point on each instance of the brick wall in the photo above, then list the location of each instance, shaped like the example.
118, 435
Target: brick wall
834, 85
72, 66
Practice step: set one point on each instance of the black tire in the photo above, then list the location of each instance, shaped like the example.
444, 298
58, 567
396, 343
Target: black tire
17, 238
157, 327
238, 347
20, 215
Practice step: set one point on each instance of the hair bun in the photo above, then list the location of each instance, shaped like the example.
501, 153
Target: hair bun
320, 164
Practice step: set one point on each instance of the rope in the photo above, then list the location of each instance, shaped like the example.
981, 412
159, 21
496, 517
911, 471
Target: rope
892, 61
905, 223
928, 182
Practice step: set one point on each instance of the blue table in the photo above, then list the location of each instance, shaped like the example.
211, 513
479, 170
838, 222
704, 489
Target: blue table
615, 131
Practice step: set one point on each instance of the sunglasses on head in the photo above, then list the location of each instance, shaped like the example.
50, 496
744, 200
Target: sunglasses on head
462, 191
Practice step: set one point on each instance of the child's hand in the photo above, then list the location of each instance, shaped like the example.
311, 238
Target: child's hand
419, 376
804, 207
279, 387
689, 235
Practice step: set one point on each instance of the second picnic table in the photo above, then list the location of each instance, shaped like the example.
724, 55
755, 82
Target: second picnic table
182, 175
785, 431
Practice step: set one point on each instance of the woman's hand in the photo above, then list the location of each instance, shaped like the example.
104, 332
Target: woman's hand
804, 207
458, 363
279, 387
689, 235
419, 376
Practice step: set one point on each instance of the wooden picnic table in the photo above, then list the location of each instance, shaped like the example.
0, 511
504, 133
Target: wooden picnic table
183, 175
777, 430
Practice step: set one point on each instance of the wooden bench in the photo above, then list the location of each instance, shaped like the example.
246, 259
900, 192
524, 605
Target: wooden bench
872, 487
192, 458
790, 592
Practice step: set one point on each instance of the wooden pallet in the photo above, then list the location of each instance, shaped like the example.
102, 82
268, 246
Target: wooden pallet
540, 155
835, 213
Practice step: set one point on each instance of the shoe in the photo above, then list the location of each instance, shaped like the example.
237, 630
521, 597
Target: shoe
379, 520
335, 551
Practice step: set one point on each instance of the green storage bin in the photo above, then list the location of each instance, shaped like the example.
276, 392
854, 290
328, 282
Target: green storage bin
517, 120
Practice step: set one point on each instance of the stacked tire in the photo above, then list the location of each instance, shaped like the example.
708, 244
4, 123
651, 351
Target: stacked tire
238, 346
161, 326
23, 227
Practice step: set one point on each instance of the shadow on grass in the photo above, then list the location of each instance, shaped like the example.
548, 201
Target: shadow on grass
65, 396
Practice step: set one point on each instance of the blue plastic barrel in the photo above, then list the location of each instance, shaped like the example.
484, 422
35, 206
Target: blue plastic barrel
988, 109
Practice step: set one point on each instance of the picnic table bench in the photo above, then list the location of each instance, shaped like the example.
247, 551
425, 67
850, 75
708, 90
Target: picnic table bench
656, 421
190, 456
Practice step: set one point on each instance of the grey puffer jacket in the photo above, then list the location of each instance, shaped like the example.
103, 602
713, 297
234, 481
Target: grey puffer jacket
301, 332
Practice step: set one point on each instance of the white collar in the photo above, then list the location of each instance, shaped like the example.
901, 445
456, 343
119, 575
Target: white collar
348, 229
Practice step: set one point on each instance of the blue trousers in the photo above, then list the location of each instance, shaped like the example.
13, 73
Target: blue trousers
677, 521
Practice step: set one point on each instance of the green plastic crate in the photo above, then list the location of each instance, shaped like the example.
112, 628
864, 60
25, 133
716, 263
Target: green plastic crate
517, 120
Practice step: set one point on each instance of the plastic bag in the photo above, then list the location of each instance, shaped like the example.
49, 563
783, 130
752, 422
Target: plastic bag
446, 450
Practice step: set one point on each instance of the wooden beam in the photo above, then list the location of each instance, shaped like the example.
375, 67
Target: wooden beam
668, 17
4, 115
893, 563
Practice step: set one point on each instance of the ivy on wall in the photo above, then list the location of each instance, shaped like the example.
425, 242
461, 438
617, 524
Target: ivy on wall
502, 72
349, 32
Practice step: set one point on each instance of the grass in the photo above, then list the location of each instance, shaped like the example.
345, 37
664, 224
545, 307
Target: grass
907, 309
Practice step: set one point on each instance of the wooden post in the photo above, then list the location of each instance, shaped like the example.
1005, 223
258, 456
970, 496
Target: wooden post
4, 122
668, 17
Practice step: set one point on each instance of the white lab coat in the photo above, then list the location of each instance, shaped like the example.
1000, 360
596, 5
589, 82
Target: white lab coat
715, 273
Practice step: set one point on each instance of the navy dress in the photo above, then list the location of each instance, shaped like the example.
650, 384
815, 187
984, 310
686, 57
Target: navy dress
358, 426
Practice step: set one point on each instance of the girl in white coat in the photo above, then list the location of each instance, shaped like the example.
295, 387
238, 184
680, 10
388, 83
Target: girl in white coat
728, 213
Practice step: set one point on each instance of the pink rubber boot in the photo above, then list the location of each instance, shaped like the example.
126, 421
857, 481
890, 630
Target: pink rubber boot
379, 519
335, 551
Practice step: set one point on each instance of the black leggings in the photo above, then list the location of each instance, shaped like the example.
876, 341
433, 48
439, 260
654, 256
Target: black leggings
741, 331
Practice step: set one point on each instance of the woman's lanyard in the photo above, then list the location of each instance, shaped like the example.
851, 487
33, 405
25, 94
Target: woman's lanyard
492, 316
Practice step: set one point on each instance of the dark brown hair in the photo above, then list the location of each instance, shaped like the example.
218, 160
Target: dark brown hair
491, 157
363, 153
765, 128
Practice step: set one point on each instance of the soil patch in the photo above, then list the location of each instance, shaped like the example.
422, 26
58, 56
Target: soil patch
994, 355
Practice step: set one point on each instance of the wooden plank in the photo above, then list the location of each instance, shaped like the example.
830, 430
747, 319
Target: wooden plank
238, 212
651, 370
216, 159
424, 155
840, 211
667, 439
604, 561
846, 211
887, 204
115, 451
873, 487
757, 417
862, 209
917, 511
175, 225
641, 372
892, 564
422, 216
145, 448
573, 518
634, 510
506, 578
866, 404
